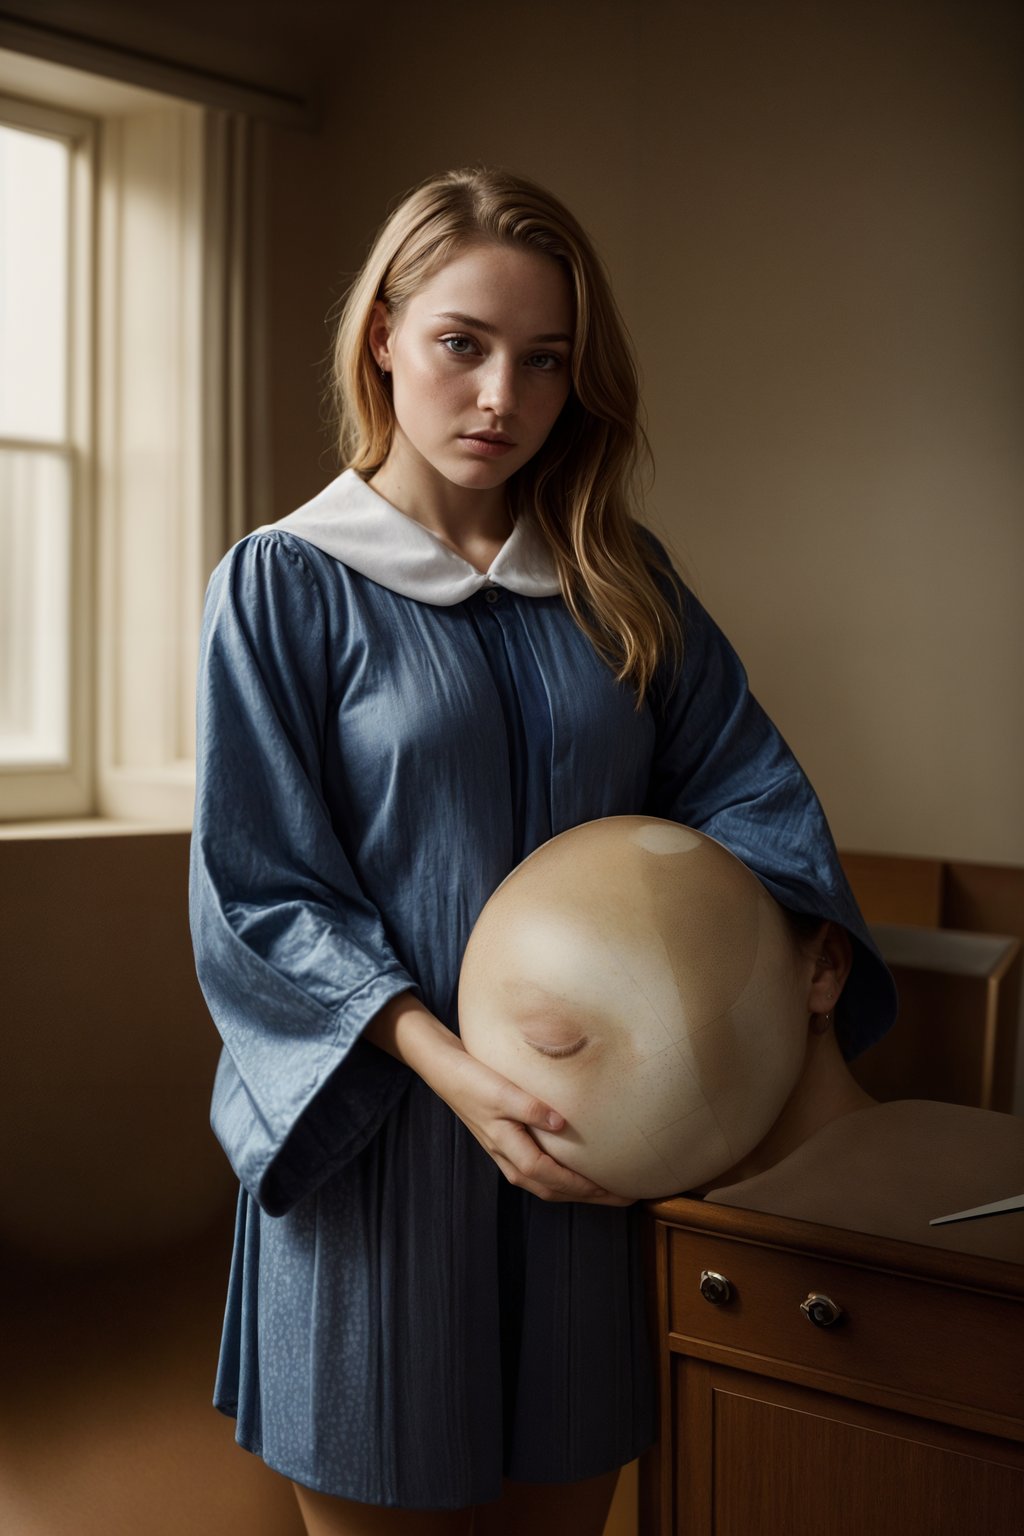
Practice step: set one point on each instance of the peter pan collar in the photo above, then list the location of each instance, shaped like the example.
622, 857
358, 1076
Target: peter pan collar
349, 521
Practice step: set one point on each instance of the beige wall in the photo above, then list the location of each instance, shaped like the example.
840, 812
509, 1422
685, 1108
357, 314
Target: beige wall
813, 218
835, 359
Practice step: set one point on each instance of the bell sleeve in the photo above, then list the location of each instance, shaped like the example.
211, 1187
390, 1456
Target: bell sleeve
292, 957
721, 767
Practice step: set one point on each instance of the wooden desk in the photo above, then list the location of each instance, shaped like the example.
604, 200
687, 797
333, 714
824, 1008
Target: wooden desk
906, 1418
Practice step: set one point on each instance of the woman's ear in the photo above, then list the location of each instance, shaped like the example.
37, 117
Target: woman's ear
831, 967
379, 335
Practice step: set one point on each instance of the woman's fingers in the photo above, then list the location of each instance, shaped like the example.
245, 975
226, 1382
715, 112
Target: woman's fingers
500, 1114
536, 1170
529, 1167
525, 1110
534, 1167
502, 1099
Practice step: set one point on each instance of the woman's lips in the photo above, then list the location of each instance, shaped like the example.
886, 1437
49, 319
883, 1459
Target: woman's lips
487, 447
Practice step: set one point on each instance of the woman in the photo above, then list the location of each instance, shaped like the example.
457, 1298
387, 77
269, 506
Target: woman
463, 646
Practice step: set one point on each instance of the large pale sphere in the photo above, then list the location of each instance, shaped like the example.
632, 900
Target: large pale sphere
637, 977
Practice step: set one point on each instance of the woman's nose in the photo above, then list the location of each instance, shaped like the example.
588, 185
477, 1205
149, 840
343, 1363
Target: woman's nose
498, 387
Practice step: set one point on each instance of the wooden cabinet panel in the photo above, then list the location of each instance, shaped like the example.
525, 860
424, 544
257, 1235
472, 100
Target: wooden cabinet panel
907, 1419
761, 1456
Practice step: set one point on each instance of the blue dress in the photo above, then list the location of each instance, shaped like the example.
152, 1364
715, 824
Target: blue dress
403, 1327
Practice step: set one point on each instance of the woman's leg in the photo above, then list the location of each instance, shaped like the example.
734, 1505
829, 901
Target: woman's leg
325, 1515
548, 1509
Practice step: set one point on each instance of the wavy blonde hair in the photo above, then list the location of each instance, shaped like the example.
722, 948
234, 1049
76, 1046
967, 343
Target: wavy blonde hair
581, 486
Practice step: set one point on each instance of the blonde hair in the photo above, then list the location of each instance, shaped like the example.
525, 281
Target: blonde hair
580, 487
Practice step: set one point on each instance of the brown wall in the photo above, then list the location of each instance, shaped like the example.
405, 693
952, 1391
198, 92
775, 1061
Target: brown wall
108, 1054
116, 1206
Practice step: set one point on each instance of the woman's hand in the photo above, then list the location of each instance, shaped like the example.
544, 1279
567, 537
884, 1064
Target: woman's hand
496, 1112
499, 1114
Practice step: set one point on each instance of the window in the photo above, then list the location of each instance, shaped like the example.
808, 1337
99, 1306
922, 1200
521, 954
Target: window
47, 162
129, 330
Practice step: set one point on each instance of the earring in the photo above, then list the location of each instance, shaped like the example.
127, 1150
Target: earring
383, 371
821, 1023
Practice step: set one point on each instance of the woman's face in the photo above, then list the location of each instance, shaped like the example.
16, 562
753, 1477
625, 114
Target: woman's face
479, 359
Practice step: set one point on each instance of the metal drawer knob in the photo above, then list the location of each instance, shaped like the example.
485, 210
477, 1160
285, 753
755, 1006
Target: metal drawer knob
714, 1287
821, 1310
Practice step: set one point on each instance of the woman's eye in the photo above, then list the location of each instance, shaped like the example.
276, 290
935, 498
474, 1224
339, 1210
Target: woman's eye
558, 1050
458, 346
546, 362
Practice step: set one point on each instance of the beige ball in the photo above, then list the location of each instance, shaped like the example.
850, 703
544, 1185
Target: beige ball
636, 976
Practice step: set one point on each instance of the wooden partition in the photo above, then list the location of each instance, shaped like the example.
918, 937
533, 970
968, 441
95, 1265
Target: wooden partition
953, 935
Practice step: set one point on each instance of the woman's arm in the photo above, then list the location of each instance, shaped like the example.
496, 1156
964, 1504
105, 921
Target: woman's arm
721, 766
496, 1112
293, 959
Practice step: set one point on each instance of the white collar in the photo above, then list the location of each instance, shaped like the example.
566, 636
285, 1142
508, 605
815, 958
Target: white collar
349, 521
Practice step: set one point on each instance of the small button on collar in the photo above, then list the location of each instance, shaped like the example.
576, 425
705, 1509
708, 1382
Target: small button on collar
491, 595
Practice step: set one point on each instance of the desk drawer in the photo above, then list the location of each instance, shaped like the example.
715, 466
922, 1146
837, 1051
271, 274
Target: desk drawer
913, 1336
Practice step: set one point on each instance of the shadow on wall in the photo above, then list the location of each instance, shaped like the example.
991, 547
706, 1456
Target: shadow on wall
116, 1207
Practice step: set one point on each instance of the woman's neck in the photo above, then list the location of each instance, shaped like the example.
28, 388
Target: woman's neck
475, 523
824, 1091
